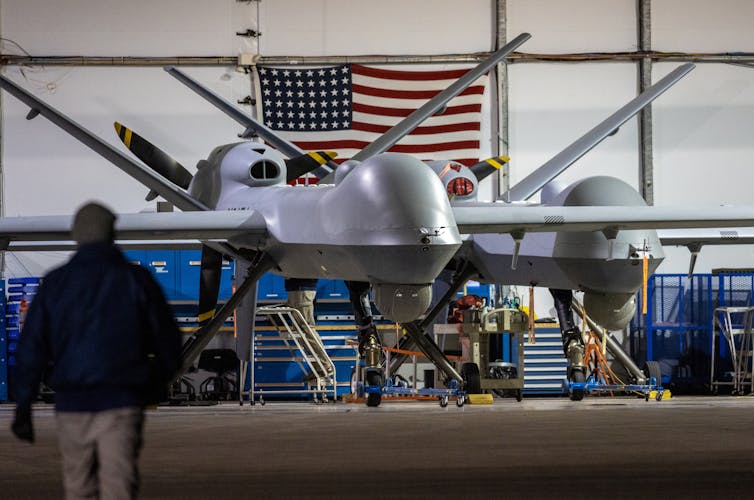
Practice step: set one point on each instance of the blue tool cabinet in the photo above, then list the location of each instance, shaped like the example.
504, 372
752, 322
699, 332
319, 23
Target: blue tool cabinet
20, 293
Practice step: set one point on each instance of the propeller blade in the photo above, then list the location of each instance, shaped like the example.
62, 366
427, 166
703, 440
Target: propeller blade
306, 163
209, 283
154, 157
488, 166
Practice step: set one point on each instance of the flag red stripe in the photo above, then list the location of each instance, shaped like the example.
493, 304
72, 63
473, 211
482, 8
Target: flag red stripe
437, 129
389, 74
398, 148
379, 110
409, 94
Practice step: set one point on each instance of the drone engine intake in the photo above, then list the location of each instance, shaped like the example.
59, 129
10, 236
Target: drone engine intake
402, 303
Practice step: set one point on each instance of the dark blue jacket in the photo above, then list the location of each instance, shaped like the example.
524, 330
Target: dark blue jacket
93, 325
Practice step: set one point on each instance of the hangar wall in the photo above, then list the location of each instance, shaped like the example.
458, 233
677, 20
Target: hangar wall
701, 145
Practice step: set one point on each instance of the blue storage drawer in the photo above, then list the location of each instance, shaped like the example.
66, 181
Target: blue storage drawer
272, 288
332, 289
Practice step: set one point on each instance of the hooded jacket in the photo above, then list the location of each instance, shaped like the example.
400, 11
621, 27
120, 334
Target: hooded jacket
101, 329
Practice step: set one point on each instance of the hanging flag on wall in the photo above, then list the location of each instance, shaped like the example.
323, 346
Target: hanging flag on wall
343, 108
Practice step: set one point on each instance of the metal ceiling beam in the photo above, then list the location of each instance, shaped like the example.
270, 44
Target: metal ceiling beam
518, 57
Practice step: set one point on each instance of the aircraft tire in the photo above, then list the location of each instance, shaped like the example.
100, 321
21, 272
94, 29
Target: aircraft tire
374, 378
472, 382
579, 377
652, 370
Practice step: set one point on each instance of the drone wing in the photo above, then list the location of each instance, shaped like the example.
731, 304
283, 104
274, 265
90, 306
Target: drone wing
503, 218
53, 232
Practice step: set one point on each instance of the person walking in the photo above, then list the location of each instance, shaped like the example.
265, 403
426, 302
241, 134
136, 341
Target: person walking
102, 335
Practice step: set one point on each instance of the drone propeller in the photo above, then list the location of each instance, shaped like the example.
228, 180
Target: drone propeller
488, 166
209, 283
154, 157
165, 165
305, 163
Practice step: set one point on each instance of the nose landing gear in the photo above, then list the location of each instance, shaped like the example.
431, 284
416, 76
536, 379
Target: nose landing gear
372, 353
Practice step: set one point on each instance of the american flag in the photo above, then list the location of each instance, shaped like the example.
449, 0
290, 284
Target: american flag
343, 108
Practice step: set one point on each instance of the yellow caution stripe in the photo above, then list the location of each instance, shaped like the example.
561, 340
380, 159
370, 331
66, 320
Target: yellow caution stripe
323, 157
124, 133
498, 161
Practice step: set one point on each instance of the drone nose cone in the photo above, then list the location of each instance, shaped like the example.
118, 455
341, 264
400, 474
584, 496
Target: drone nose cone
395, 209
396, 191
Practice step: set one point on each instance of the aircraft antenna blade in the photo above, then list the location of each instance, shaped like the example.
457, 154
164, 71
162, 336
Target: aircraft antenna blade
154, 157
405, 126
486, 167
532, 183
252, 125
177, 197
694, 248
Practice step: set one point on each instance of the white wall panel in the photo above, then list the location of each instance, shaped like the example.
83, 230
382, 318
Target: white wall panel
49, 172
552, 105
346, 27
703, 26
702, 136
133, 28
574, 25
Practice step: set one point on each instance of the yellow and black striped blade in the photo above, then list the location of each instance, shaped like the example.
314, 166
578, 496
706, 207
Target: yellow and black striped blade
153, 156
486, 167
301, 165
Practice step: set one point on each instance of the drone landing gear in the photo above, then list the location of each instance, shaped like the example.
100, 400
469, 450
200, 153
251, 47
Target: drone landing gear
372, 353
573, 343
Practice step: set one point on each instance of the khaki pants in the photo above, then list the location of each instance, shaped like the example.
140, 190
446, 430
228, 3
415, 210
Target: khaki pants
100, 452
303, 301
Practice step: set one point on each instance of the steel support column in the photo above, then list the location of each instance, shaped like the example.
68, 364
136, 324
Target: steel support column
646, 169
500, 100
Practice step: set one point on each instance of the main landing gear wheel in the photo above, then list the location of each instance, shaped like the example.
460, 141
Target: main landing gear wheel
472, 381
578, 377
374, 378
652, 370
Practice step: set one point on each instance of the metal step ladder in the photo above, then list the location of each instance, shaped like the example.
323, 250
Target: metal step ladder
735, 325
314, 361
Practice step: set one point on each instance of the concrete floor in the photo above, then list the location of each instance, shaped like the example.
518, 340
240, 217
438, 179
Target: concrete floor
685, 447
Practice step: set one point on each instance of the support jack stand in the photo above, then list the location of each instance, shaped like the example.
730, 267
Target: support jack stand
442, 395
593, 386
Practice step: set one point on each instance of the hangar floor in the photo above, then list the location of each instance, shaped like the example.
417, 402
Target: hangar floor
541, 448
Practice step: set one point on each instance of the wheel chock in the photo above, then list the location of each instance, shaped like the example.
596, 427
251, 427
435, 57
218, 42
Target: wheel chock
665, 395
479, 399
